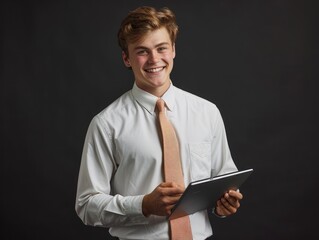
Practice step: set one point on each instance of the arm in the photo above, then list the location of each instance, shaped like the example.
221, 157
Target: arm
95, 204
223, 163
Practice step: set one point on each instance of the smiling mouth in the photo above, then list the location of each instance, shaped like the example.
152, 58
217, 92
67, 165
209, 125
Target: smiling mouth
154, 70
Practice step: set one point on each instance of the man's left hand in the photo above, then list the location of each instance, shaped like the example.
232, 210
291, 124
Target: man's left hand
229, 203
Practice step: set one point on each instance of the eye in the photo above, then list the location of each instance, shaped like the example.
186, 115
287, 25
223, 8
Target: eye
161, 49
142, 52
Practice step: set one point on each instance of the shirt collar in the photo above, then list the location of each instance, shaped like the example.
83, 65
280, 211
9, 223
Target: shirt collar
169, 98
148, 101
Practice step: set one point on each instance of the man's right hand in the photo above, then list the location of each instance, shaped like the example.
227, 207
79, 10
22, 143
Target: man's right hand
162, 199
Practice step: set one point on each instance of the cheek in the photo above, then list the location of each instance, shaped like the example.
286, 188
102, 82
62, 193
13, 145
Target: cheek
140, 61
168, 57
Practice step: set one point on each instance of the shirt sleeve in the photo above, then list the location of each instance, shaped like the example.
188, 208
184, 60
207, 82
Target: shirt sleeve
222, 161
95, 204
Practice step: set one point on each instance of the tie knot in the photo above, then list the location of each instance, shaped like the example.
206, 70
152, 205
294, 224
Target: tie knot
160, 104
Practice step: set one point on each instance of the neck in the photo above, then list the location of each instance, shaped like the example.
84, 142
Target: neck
158, 91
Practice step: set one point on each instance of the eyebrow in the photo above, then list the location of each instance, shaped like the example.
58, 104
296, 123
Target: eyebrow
157, 45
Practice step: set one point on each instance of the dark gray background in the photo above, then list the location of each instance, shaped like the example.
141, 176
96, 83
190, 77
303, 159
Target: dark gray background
257, 60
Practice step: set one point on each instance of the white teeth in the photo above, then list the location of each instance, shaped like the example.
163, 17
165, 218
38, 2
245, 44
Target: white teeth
153, 70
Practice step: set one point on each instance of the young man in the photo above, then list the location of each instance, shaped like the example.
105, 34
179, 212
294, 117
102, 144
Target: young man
121, 184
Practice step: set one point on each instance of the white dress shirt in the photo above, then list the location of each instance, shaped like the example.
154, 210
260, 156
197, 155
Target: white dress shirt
122, 161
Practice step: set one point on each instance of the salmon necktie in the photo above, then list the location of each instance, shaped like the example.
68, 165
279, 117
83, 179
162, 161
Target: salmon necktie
180, 228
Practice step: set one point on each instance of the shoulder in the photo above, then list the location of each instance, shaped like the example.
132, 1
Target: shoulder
117, 106
194, 101
115, 111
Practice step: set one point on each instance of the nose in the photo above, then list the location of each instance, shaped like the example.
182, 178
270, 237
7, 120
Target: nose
153, 57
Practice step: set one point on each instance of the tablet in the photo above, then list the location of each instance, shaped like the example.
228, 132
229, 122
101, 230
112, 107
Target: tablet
203, 194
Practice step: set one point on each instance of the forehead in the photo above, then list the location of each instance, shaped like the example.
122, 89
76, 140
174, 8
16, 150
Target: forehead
151, 39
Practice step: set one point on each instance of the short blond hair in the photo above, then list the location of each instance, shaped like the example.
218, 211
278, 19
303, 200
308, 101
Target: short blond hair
144, 20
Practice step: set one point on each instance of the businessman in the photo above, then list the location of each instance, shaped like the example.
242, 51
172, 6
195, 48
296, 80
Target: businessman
126, 181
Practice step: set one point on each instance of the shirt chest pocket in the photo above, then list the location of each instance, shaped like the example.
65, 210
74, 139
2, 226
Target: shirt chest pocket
200, 160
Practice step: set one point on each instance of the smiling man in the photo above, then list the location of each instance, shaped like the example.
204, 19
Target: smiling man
122, 184
151, 59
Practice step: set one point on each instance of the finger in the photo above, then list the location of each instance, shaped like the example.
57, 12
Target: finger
171, 184
170, 200
235, 194
228, 206
168, 204
221, 209
232, 201
166, 184
168, 209
225, 203
169, 189
172, 192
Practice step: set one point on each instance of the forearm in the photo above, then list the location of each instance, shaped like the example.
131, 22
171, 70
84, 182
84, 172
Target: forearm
110, 211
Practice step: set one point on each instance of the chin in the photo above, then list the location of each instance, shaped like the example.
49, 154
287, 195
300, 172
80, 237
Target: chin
159, 83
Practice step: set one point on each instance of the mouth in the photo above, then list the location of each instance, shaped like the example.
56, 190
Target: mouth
154, 70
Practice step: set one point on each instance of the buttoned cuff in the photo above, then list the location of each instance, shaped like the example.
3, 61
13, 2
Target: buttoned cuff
133, 205
217, 215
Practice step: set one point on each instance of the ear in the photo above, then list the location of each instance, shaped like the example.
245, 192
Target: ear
174, 50
126, 59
